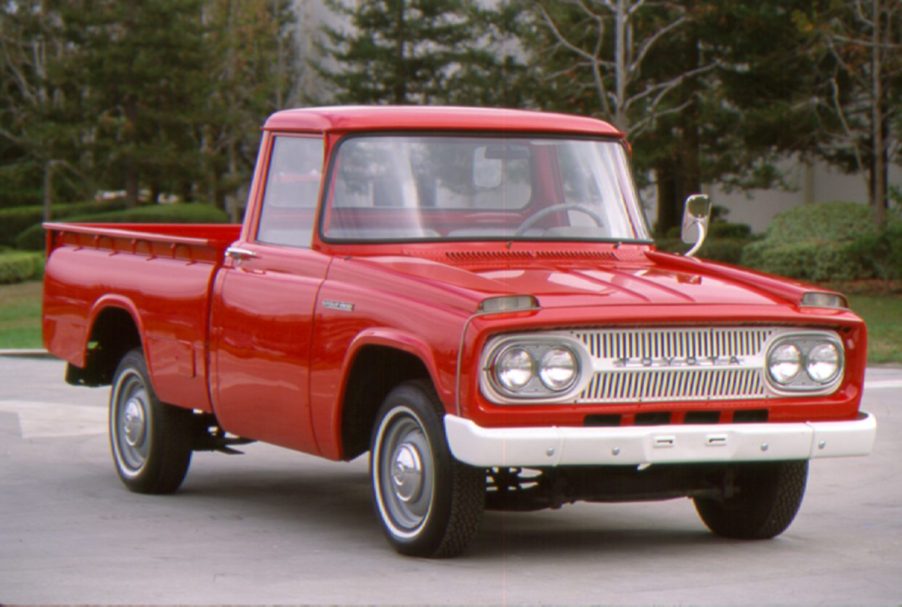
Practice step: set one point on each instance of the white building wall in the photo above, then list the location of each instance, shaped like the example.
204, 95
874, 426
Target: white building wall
809, 184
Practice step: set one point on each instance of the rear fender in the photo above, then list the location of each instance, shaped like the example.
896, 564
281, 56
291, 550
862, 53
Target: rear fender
104, 305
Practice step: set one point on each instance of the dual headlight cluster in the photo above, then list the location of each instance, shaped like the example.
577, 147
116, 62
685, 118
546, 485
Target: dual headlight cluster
555, 367
534, 368
805, 362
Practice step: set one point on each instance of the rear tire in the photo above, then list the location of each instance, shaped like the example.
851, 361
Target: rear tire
429, 504
150, 440
767, 498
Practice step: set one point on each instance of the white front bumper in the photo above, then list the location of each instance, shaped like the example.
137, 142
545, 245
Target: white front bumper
640, 445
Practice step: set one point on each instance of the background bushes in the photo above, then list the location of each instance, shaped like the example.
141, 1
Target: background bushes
33, 238
19, 266
881, 253
829, 242
818, 242
824, 242
15, 220
725, 242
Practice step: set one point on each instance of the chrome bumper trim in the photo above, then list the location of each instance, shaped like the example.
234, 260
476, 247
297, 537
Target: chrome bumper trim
643, 445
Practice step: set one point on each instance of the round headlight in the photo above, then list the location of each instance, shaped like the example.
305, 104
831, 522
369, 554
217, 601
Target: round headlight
823, 363
514, 368
558, 369
784, 363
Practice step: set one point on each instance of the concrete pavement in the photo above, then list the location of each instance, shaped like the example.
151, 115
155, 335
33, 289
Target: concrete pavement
275, 527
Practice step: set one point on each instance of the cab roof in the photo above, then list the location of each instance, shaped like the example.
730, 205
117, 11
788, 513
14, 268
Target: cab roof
343, 119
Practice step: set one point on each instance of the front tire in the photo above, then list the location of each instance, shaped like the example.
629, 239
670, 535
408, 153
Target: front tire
150, 440
766, 501
429, 504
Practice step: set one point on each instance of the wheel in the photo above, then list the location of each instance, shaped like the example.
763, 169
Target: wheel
429, 504
538, 215
150, 440
766, 501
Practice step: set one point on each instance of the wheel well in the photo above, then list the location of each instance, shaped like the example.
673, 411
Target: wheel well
114, 333
376, 370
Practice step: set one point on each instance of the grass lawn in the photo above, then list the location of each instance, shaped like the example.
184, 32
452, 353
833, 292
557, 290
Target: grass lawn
883, 314
20, 315
20, 320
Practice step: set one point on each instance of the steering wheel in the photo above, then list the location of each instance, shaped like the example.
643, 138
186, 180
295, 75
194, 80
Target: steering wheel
567, 206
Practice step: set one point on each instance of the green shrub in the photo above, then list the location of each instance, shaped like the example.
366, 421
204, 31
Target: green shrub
881, 253
724, 229
724, 242
825, 222
20, 266
15, 220
33, 238
814, 242
727, 250
717, 229
807, 260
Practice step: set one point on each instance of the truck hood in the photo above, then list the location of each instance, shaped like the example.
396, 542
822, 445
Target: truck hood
626, 279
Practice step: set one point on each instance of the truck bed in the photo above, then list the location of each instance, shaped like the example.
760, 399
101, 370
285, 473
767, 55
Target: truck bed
159, 274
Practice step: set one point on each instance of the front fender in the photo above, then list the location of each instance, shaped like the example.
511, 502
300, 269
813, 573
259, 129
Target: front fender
405, 342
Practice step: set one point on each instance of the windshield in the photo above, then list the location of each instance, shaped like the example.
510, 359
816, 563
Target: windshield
457, 187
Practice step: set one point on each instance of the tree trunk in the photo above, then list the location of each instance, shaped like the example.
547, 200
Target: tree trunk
131, 184
879, 173
621, 74
48, 189
399, 86
690, 179
668, 196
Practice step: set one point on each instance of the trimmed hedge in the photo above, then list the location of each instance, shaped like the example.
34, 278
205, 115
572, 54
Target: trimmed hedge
33, 238
724, 242
727, 250
716, 229
20, 266
15, 220
814, 242
725, 229
881, 253
828, 222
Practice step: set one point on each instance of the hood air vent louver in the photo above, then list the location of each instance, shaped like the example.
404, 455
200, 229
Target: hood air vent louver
563, 255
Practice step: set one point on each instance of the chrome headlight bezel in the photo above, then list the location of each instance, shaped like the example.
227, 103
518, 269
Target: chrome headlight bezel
541, 387
804, 381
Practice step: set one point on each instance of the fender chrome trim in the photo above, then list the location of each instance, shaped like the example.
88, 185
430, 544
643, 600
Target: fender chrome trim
644, 445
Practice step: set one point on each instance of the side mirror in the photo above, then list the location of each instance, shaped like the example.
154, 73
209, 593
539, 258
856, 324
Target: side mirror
696, 215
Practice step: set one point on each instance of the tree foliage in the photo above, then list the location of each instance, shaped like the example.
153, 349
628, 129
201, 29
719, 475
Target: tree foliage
166, 96
151, 97
421, 51
141, 65
38, 104
707, 91
858, 45
253, 70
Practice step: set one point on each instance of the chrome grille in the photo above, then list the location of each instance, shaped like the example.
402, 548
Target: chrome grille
686, 364
679, 343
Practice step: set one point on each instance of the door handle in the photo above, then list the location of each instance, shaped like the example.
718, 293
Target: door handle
239, 254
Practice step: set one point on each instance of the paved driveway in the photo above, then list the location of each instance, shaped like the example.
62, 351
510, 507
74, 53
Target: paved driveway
274, 526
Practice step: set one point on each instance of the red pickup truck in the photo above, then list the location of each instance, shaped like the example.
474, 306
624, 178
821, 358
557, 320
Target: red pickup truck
472, 296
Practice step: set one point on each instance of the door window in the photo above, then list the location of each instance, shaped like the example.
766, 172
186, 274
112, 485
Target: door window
292, 191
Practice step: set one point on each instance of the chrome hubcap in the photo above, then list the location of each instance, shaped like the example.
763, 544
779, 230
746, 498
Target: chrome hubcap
130, 422
404, 473
407, 473
133, 422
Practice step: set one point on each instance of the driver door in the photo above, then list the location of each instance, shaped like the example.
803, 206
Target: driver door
262, 316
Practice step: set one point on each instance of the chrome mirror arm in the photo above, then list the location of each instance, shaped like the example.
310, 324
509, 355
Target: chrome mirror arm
696, 215
703, 232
